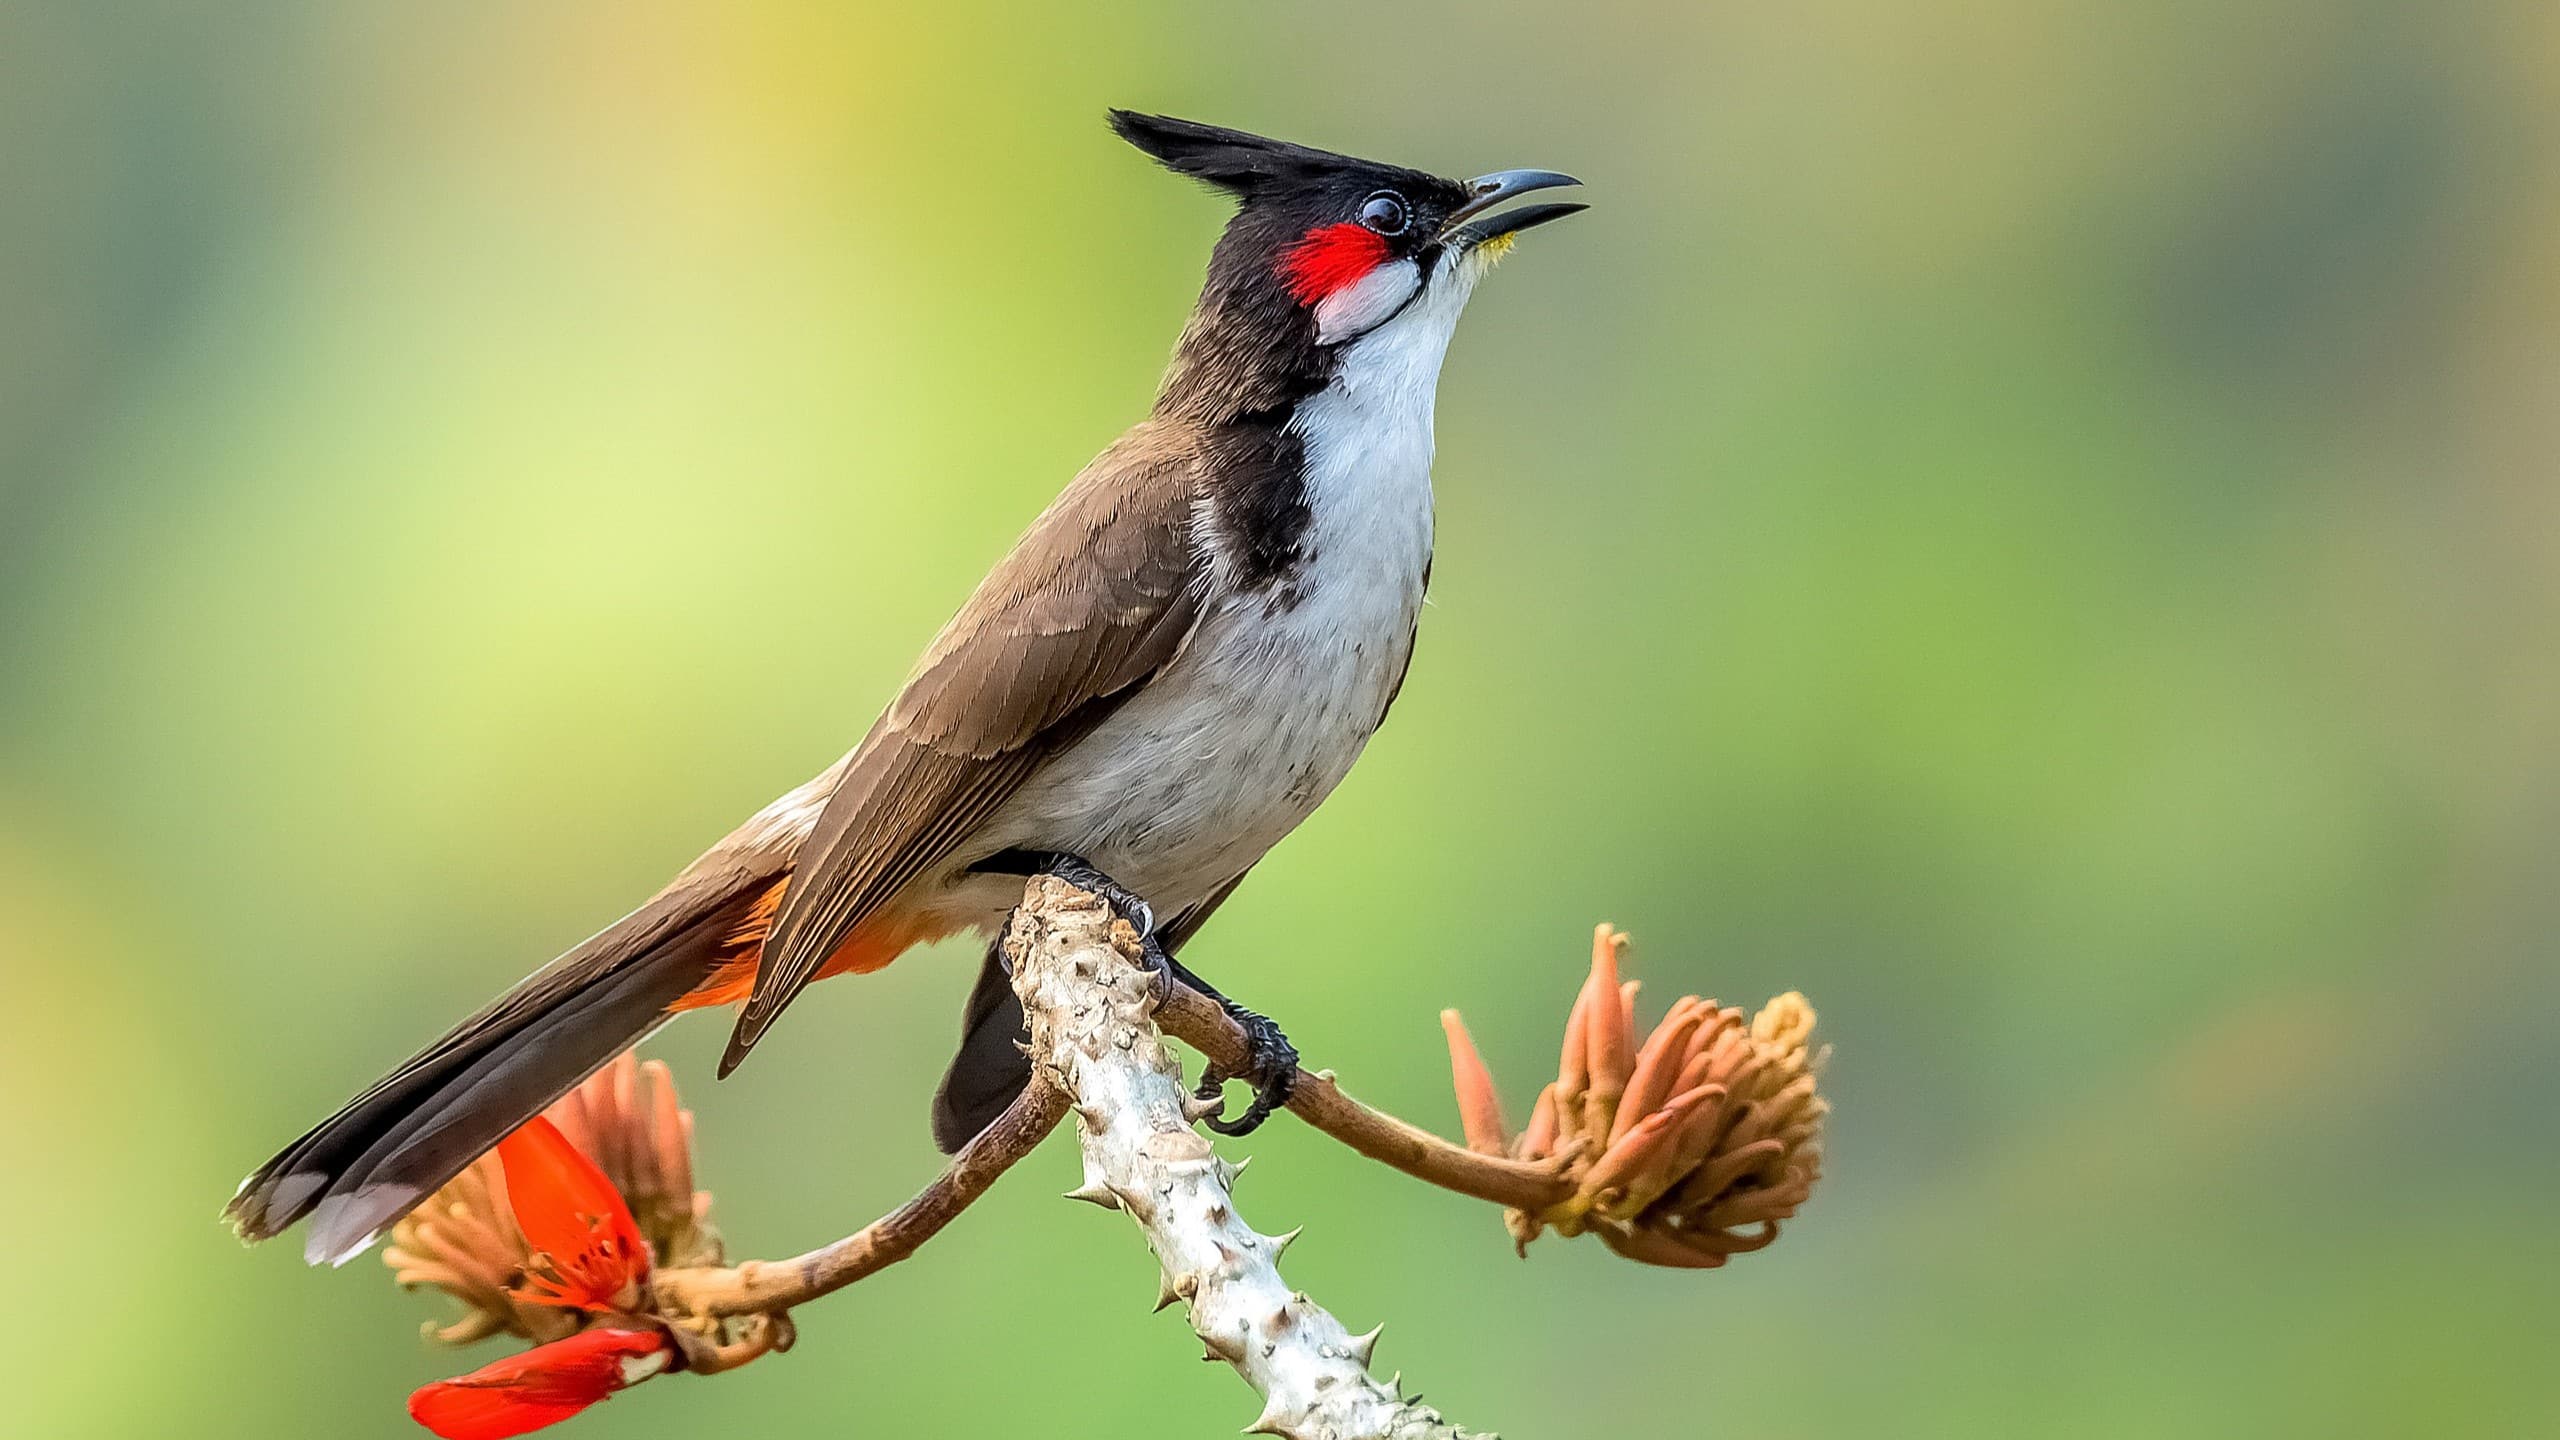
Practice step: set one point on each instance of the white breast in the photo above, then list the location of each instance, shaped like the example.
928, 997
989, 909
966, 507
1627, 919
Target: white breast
1239, 740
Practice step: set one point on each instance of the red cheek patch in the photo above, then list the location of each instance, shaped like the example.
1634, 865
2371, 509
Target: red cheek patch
1331, 257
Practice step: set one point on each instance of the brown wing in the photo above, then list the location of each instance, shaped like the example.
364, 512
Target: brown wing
1098, 596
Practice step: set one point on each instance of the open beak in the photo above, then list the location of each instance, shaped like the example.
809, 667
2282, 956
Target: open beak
1470, 225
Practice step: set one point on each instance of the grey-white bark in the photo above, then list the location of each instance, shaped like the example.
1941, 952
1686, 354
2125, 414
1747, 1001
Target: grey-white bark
1091, 1004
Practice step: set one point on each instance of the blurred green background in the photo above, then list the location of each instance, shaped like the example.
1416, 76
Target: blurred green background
2032, 522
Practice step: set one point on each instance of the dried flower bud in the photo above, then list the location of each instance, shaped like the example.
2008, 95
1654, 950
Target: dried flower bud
1683, 1150
1479, 1109
554, 1236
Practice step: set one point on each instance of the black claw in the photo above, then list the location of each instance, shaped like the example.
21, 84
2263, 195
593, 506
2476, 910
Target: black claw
1128, 904
1081, 873
1271, 1064
1151, 953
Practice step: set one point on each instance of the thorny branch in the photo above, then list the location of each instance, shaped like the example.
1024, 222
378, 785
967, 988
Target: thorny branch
1680, 1151
765, 1286
1091, 1009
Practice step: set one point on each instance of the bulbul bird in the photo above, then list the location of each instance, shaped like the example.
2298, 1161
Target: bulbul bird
1174, 666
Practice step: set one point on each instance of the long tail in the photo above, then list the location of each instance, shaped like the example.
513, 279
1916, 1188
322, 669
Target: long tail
418, 1127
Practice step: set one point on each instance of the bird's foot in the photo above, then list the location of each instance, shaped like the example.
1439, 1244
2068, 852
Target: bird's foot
1270, 1066
1127, 903
1271, 1062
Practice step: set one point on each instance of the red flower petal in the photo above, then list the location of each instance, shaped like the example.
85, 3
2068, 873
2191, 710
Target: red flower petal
572, 1216
542, 1386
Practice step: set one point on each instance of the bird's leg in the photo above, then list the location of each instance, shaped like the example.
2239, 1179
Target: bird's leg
1271, 1062
1270, 1066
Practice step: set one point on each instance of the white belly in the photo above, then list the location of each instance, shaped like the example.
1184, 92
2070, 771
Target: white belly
1186, 785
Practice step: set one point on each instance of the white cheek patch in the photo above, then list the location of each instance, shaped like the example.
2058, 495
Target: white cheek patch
1359, 306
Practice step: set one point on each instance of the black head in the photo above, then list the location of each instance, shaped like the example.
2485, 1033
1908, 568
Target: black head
1272, 176
1323, 249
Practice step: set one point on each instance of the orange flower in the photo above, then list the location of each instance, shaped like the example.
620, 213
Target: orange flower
618, 1150
542, 1386
1683, 1150
554, 1236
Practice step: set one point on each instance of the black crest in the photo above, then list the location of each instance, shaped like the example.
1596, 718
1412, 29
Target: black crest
1256, 167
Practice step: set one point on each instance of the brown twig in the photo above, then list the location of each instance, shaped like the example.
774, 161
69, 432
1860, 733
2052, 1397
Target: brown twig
1318, 1099
757, 1287
770, 1286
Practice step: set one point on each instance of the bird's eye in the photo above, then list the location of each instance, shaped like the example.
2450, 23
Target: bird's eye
1384, 213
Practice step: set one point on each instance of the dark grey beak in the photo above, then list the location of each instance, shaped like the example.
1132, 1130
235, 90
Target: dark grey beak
1463, 227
